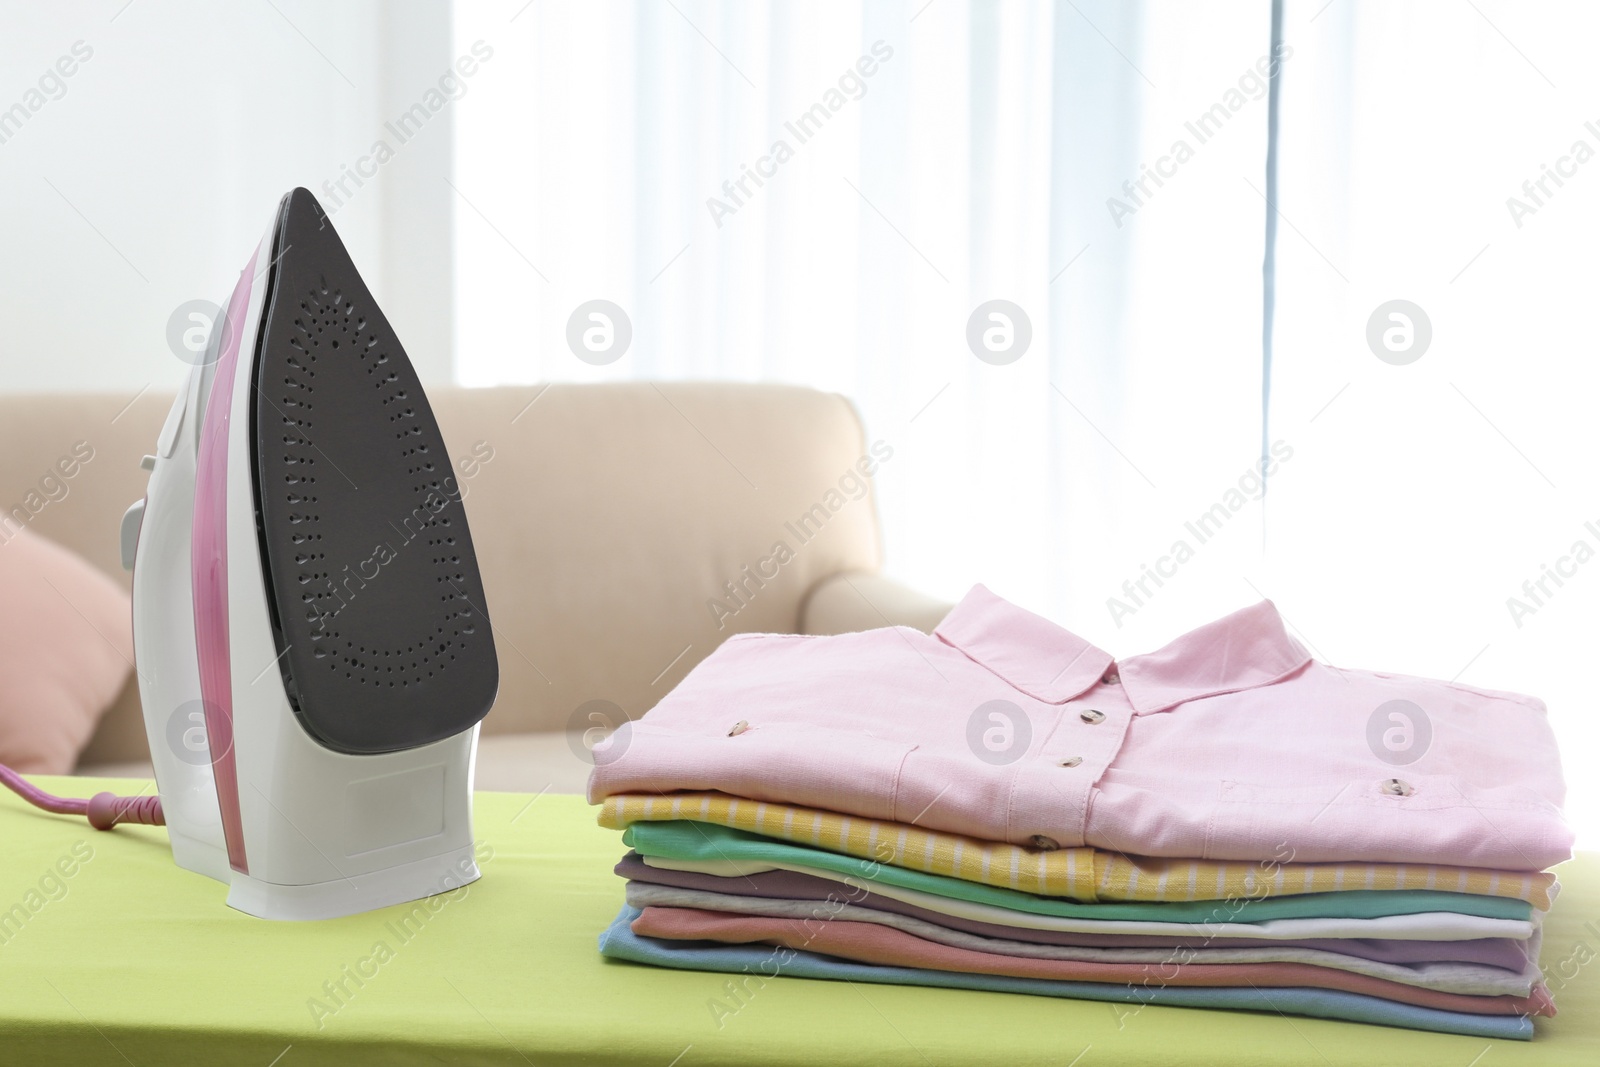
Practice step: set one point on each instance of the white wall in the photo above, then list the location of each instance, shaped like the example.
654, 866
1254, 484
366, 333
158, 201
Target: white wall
146, 178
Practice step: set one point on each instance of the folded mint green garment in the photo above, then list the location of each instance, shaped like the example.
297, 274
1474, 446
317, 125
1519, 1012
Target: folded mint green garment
1422, 926
618, 941
702, 842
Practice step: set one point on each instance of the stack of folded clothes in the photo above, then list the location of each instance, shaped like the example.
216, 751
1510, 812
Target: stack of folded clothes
1222, 823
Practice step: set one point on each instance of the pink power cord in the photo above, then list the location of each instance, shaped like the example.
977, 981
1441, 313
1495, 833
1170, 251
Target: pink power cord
103, 810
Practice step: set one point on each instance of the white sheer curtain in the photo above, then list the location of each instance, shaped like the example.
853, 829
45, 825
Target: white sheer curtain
1407, 503
976, 165
1423, 496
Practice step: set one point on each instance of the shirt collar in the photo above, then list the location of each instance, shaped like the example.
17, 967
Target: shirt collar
1246, 649
1031, 653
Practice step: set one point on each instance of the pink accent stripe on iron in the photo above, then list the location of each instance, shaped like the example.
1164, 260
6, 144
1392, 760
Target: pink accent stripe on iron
210, 571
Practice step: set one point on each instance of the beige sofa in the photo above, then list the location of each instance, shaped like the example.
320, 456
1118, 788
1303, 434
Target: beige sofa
623, 532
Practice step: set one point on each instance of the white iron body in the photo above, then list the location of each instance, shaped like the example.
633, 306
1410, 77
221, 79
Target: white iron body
320, 833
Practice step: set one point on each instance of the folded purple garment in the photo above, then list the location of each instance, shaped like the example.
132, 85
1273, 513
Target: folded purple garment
1491, 952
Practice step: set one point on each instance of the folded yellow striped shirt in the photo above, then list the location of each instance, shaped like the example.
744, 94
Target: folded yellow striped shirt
1085, 874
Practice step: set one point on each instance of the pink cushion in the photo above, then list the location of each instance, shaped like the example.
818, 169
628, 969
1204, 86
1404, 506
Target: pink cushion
66, 647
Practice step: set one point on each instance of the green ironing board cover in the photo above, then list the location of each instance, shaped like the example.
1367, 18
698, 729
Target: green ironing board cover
130, 960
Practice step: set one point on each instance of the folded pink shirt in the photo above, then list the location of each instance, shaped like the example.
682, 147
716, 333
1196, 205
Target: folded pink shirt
1229, 743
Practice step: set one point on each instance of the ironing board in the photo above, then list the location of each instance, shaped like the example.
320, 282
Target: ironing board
130, 960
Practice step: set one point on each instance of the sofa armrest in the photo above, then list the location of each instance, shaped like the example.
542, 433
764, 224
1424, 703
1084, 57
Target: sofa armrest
120, 737
862, 600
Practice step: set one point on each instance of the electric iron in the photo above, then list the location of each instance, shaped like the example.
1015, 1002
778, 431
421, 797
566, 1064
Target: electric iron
313, 651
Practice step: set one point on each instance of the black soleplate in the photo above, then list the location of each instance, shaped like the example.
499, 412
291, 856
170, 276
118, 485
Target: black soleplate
372, 583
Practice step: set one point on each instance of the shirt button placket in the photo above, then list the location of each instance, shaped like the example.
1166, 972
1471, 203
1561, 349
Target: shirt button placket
1077, 762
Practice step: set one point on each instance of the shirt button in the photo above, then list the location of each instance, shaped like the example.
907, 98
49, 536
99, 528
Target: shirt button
1091, 716
1048, 844
1072, 761
1111, 677
1395, 787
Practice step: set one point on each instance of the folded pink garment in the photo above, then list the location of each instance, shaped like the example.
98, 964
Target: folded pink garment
871, 943
1229, 743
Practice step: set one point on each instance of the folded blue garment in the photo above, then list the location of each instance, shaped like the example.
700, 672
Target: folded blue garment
618, 941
